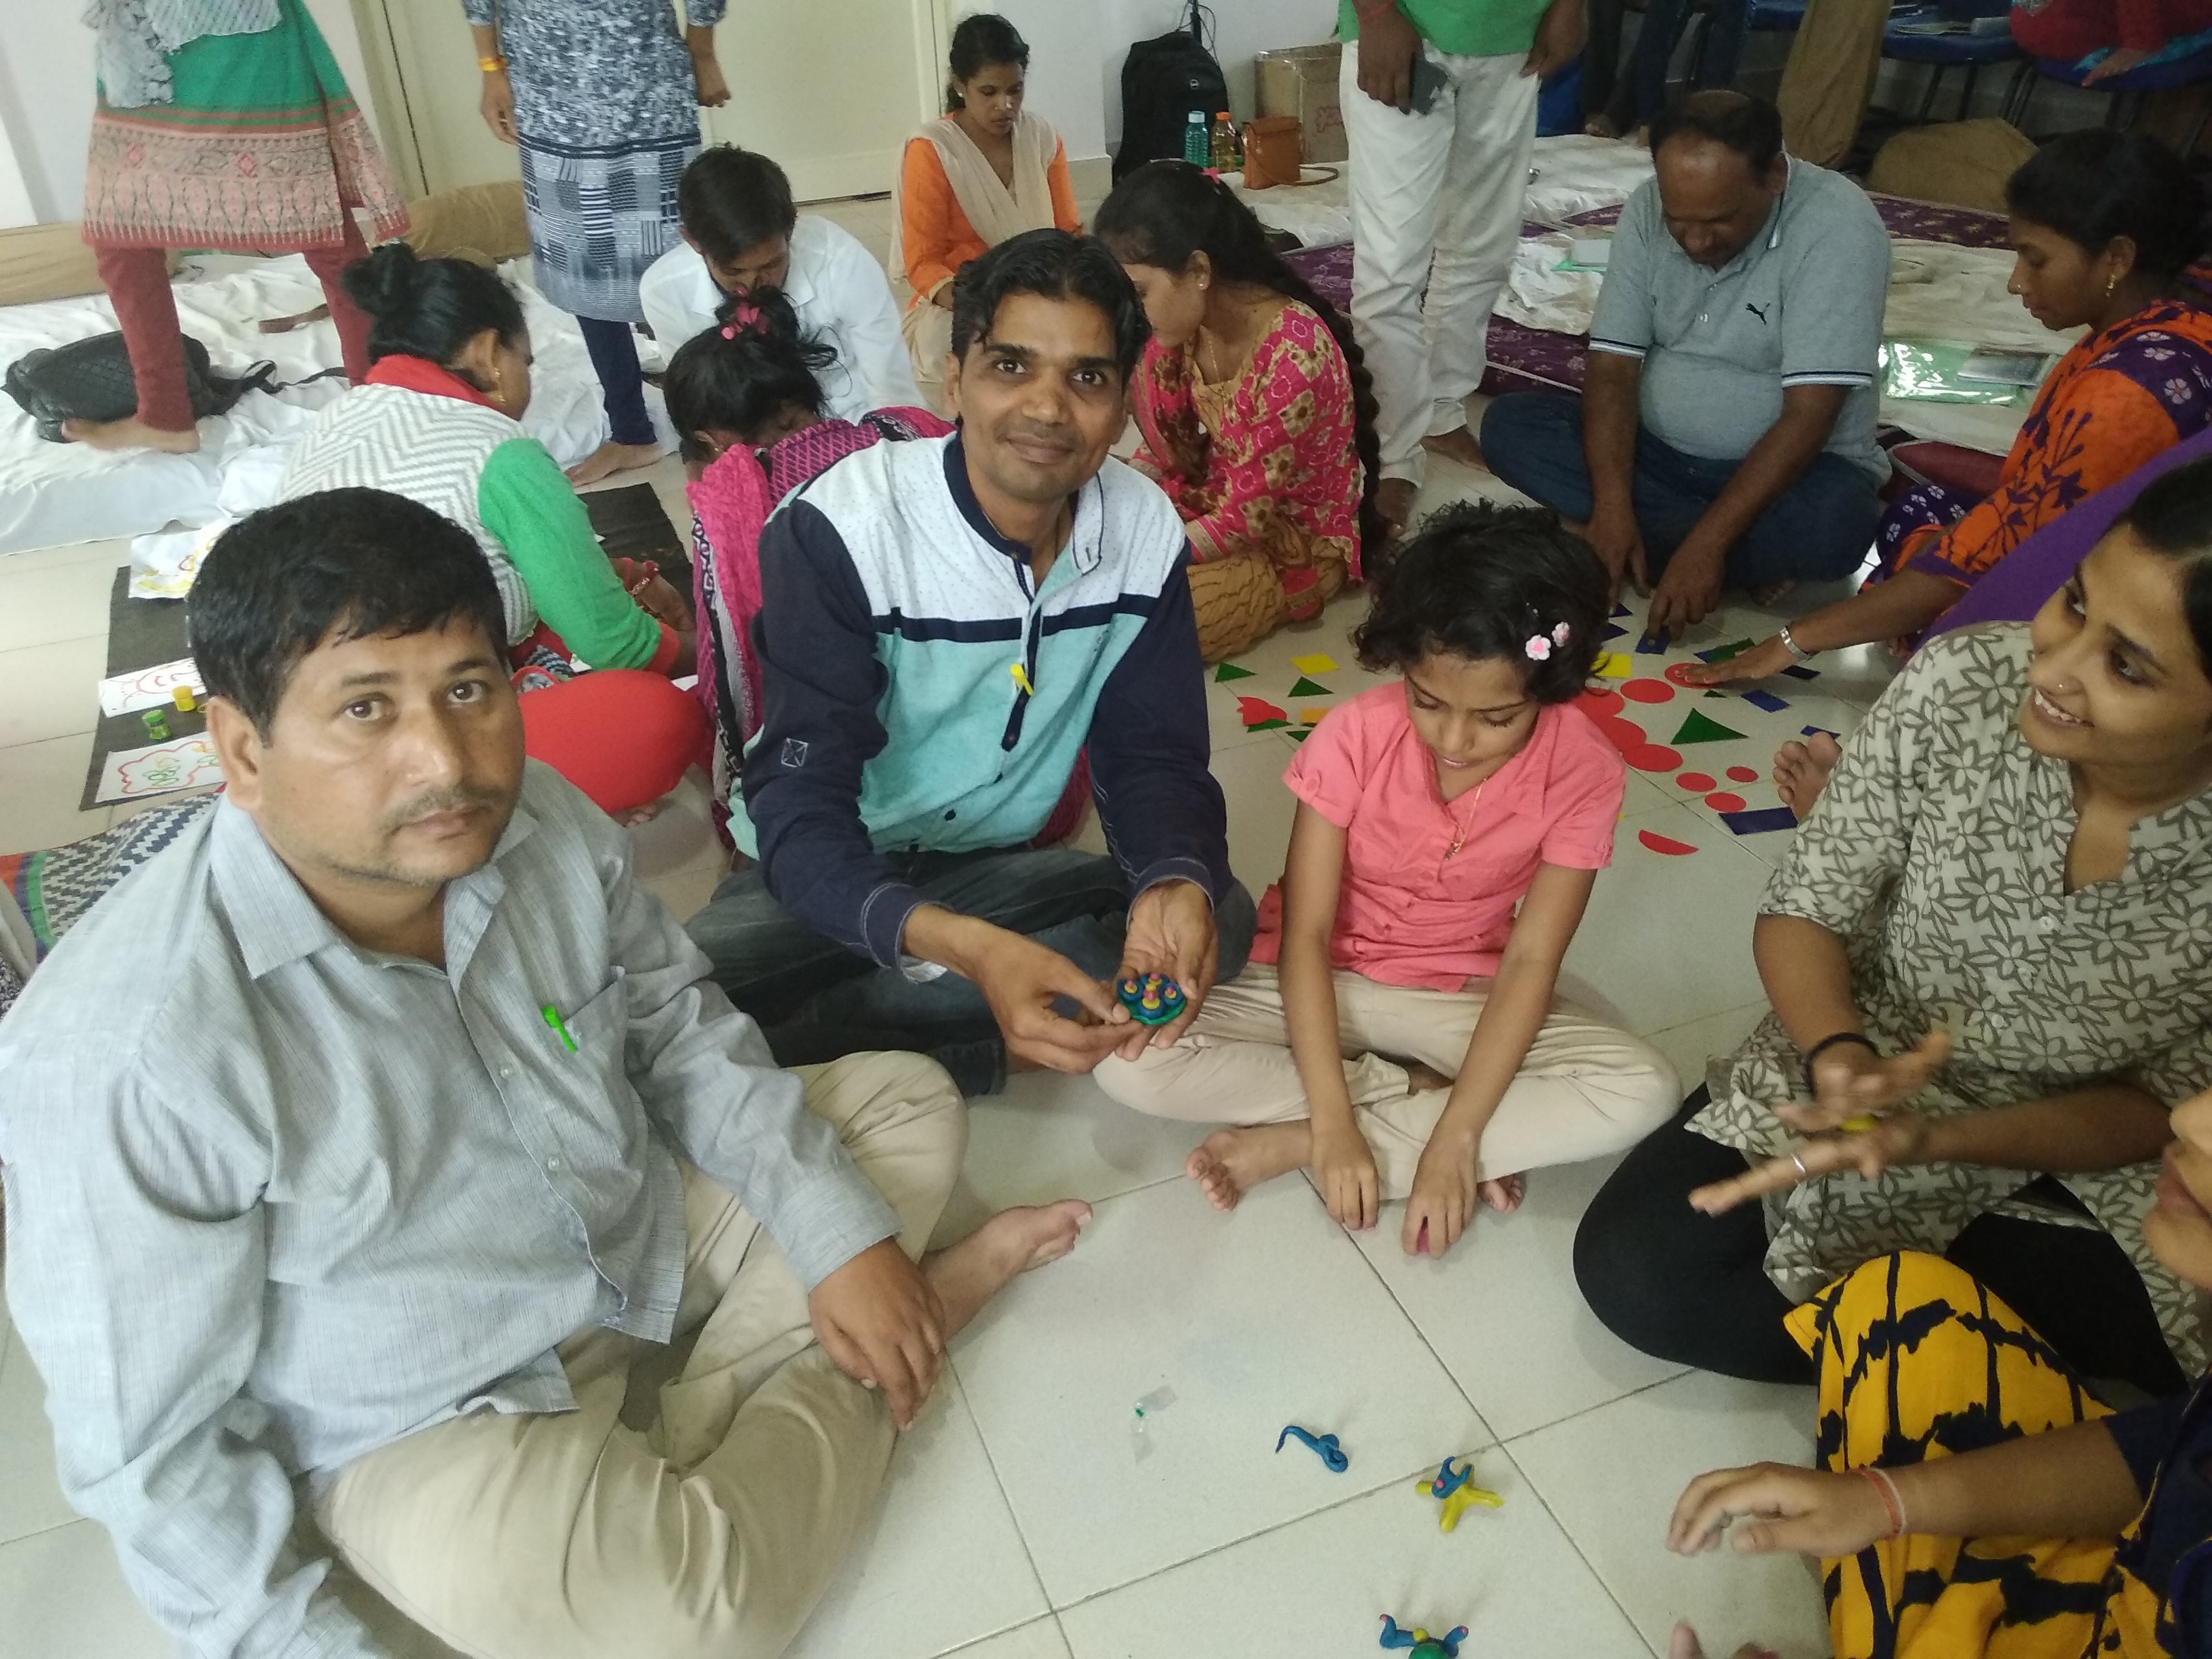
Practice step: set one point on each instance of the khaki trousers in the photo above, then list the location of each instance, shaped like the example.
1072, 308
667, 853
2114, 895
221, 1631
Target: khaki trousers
1585, 1089
1238, 600
708, 1521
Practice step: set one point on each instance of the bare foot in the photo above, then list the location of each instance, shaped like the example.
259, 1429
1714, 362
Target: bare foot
610, 457
130, 433
1800, 772
1457, 445
1503, 1195
1772, 594
638, 814
1230, 1163
1600, 126
1420, 1078
1393, 500
968, 1275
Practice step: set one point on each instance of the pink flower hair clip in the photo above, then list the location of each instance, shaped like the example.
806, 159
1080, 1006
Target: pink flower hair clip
1538, 647
744, 318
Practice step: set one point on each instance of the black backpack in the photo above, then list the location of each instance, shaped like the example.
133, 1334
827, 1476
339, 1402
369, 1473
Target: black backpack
91, 380
1163, 80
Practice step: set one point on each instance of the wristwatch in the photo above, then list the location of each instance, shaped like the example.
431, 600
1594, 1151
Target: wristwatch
1789, 644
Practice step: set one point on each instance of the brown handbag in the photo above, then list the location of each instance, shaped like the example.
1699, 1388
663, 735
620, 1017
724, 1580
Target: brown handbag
1274, 151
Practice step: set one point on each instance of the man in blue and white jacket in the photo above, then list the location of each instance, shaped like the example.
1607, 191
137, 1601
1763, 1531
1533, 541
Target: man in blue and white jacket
945, 627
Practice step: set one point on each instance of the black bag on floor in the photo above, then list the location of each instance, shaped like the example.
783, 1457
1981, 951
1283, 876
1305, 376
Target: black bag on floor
1163, 80
91, 380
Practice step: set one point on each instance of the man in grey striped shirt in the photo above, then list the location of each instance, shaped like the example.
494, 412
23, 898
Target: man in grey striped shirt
367, 1148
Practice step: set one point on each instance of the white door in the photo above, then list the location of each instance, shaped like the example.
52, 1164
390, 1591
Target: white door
830, 88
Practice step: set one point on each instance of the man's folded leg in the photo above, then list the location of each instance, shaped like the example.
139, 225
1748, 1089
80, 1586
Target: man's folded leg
713, 1530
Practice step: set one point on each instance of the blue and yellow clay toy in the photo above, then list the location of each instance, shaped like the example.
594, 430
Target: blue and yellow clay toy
1152, 1000
1421, 1643
1456, 1487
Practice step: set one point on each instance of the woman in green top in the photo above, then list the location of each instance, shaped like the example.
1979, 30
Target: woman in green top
438, 420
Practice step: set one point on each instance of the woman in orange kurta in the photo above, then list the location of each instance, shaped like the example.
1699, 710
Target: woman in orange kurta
2104, 223
968, 181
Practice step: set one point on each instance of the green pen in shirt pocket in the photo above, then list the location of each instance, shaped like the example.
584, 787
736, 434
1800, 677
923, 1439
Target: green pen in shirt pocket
553, 1018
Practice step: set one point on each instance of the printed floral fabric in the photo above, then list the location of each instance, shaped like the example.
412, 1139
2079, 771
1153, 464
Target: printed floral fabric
1938, 853
1262, 465
2115, 399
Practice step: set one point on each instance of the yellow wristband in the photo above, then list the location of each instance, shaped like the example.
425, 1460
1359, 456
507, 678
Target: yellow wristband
492, 65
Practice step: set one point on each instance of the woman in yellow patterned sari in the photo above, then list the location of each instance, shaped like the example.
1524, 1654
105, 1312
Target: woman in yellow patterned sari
1975, 1500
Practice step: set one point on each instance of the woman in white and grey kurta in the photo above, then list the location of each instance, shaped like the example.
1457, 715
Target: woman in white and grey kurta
1937, 865
601, 96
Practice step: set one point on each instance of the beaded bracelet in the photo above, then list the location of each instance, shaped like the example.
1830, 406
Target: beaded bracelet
1891, 1502
1828, 1043
492, 65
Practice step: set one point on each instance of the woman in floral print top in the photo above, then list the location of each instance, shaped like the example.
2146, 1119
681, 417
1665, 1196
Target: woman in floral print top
2104, 223
1988, 947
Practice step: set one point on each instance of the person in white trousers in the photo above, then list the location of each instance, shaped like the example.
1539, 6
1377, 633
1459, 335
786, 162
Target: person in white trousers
1439, 101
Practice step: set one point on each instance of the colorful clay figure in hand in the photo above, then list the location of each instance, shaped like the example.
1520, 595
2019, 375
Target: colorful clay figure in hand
1422, 1645
1154, 1000
1456, 1487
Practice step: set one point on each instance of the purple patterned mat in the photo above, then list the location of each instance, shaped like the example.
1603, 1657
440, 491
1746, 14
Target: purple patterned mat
1522, 358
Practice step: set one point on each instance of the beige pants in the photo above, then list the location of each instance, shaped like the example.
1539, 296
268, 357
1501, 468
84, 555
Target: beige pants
708, 1521
1585, 1089
929, 330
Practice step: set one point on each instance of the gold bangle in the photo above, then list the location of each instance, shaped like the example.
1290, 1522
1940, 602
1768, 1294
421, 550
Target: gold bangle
492, 65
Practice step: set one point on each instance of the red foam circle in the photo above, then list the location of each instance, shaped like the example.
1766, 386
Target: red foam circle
1697, 782
1742, 774
1680, 672
1624, 735
1648, 691
1653, 757
1724, 802
1667, 844
1599, 701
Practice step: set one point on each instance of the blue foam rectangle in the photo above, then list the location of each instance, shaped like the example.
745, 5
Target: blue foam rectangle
1766, 700
1823, 730
1651, 645
1758, 822
1798, 671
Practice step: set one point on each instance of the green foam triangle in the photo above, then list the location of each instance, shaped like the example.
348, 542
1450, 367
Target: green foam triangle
1302, 735
1267, 726
1306, 688
1230, 671
1700, 728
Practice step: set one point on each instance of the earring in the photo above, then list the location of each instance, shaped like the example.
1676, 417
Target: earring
2111, 282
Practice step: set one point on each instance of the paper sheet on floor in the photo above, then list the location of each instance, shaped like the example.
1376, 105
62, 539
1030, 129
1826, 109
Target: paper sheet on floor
159, 769
149, 687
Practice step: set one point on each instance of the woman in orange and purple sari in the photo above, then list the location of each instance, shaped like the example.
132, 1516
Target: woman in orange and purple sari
2104, 223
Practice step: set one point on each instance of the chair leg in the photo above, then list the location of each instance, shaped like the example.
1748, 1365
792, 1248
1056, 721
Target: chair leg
1966, 98
2018, 94
1928, 97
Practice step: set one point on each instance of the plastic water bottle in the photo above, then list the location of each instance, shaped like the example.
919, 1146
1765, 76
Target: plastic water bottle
1196, 149
1226, 156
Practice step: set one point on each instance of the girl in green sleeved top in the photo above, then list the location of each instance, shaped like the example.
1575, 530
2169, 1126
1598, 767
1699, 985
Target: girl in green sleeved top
438, 420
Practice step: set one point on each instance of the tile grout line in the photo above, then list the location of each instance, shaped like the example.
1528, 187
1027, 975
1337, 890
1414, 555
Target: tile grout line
1529, 1481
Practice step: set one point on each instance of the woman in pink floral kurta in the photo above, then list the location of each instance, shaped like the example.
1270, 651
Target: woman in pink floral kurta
1253, 406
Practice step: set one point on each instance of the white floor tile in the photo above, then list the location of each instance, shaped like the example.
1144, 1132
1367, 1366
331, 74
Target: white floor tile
678, 856
1040, 1640
1260, 810
1613, 1475
1051, 1136
49, 691
31, 1499
1690, 1047
1270, 673
1667, 937
60, 595
1254, 1320
39, 786
1318, 1588
65, 1599
940, 1563
1503, 1313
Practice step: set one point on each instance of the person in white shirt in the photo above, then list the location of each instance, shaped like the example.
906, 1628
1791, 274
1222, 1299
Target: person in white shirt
741, 231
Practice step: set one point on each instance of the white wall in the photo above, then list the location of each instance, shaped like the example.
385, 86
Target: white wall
47, 94
1077, 46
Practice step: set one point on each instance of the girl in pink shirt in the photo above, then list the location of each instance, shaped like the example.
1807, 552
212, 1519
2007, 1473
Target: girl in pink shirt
1398, 1032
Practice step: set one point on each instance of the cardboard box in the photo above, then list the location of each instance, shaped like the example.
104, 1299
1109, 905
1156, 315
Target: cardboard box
1301, 82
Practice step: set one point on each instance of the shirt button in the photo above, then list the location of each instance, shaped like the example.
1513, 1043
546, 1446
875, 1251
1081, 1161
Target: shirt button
2048, 924
553, 1166
506, 1071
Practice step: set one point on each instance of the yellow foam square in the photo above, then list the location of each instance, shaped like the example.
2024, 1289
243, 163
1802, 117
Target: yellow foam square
1318, 664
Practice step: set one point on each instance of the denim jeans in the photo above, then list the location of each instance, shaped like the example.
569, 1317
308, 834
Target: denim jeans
816, 1001
613, 351
1819, 529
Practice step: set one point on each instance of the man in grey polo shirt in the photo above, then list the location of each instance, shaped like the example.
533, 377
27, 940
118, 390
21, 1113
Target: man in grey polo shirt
1725, 433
